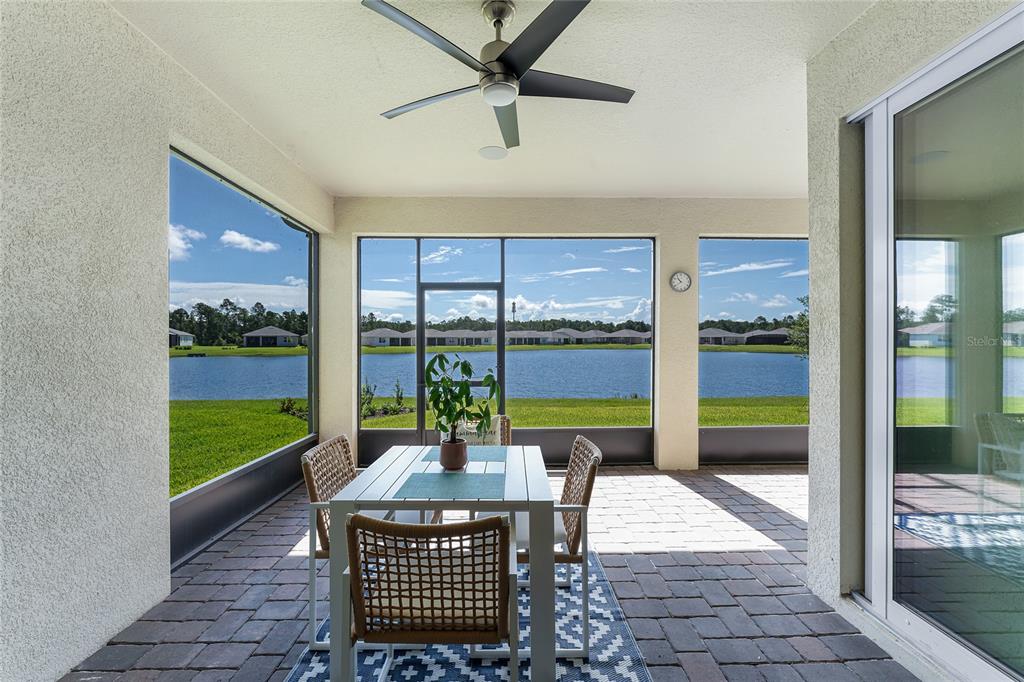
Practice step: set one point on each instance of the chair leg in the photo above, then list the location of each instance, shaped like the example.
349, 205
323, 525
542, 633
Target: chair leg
513, 630
348, 649
389, 661
585, 574
314, 645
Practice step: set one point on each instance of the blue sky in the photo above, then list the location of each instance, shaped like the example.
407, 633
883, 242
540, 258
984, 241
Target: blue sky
222, 244
743, 278
589, 279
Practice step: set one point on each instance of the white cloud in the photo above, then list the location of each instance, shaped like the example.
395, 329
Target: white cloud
777, 301
179, 241
625, 249
593, 308
273, 296
576, 271
386, 299
390, 280
641, 313
541, 276
388, 317
441, 255
237, 240
483, 302
750, 267
795, 273
631, 269
295, 281
741, 298
570, 256
454, 312
725, 315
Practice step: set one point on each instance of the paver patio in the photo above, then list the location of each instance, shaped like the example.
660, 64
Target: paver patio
708, 567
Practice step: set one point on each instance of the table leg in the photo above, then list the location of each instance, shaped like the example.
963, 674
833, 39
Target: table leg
340, 603
542, 591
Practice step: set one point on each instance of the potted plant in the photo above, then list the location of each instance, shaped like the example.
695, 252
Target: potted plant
451, 399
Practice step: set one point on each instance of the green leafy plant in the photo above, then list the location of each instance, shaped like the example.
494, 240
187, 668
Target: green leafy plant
366, 395
450, 395
399, 394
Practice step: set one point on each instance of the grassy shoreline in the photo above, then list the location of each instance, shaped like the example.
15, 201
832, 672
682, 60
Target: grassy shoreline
224, 351
241, 351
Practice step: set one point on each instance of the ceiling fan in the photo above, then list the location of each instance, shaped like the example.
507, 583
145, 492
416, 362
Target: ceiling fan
504, 69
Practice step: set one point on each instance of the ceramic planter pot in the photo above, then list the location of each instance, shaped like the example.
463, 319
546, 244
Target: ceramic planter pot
454, 455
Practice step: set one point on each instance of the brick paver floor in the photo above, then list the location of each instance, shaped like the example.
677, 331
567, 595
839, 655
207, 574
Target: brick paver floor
708, 567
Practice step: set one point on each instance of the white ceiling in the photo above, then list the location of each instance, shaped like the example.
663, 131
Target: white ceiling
719, 109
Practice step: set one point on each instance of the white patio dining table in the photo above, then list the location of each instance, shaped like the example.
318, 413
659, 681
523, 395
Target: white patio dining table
409, 477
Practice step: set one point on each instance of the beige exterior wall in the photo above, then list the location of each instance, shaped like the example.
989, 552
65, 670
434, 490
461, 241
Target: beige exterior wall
887, 43
89, 108
676, 224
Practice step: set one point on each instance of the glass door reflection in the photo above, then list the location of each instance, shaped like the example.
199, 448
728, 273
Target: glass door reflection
958, 452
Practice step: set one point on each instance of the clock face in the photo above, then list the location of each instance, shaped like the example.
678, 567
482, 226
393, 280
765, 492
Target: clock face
680, 281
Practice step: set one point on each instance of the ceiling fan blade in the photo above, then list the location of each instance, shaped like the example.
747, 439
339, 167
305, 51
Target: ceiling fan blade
544, 84
538, 36
405, 108
508, 121
436, 39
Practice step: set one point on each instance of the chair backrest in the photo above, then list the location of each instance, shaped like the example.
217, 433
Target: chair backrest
578, 486
430, 583
327, 468
499, 434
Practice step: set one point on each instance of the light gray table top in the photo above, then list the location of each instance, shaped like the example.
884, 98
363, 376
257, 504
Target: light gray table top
526, 481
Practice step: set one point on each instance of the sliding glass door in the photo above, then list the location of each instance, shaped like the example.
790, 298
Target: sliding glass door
958, 460
570, 318
945, 357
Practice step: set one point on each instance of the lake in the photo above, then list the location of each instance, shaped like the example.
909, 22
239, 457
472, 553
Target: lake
556, 374
593, 373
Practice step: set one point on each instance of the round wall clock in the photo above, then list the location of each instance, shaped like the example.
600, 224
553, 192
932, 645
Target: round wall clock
680, 281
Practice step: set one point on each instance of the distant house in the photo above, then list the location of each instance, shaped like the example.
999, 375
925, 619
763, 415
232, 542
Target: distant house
629, 336
931, 335
384, 336
567, 335
180, 339
269, 337
1013, 334
767, 337
713, 336
304, 340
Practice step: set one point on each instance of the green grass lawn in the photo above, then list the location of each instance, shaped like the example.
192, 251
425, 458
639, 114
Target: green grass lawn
211, 437
237, 350
393, 350
543, 412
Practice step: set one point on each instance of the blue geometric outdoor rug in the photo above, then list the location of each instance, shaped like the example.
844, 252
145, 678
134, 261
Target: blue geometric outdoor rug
993, 541
614, 656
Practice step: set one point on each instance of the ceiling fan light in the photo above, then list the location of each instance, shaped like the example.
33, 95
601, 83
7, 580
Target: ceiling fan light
500, 93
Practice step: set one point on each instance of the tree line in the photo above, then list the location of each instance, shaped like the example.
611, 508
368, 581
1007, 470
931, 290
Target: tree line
370, 322
225, 324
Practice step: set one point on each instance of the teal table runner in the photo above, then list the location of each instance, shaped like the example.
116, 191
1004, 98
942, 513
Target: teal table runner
477, 453
457, 485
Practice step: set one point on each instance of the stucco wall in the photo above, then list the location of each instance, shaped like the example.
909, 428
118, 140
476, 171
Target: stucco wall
887, 43
676, 224
89, 107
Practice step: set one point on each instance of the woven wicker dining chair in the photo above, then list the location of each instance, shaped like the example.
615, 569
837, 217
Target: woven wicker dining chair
450, 583
570, 530
327, 468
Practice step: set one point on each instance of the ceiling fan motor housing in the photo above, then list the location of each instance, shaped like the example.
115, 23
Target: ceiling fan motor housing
500, 86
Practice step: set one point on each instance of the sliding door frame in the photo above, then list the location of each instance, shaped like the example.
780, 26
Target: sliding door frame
941, 645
